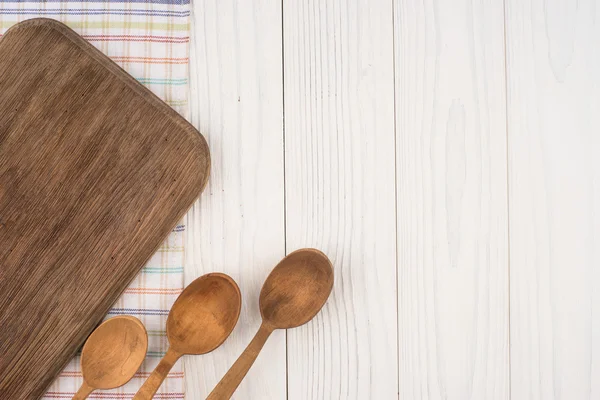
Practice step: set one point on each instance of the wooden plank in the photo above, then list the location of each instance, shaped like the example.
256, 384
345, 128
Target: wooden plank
238, 226
95, 171
452, 201
554, 95
339, 141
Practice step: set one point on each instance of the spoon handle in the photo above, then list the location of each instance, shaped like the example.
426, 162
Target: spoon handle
157, 377
232, 379
83, 392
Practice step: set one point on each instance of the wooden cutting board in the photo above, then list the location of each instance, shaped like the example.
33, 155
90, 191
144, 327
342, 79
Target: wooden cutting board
95, 171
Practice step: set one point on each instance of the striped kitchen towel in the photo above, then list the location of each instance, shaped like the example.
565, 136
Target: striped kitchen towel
149, 39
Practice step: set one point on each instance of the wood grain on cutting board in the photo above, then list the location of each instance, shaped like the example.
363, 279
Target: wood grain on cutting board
95, 171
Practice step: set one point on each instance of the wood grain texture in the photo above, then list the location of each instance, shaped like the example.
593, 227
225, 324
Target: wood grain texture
553, 65
339, 148
238, 227
452, 193
452, 200
95, 171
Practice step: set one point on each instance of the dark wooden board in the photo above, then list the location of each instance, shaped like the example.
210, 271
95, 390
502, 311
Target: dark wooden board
95, 171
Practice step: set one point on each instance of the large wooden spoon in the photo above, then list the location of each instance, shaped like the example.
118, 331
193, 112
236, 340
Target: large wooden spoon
112, 354
292, 295
201, 319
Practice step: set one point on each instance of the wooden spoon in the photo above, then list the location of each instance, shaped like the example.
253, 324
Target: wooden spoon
201, 319
292, 295
112, 354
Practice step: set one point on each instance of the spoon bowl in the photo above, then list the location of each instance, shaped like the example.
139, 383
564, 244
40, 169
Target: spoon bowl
204, 314
112, 354
201, 319
296, 289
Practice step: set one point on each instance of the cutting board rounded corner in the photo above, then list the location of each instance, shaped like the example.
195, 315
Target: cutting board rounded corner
198, 143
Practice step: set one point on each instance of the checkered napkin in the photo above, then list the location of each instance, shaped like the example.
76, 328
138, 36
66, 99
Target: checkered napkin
149, 39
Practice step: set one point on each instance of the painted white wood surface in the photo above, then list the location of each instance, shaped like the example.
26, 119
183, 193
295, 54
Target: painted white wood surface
238, 226
452, 200
462, 225
553, 76
339, 159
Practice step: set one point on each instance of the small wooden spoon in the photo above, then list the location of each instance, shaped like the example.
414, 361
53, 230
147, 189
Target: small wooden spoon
201, 319
292, 295
112, 354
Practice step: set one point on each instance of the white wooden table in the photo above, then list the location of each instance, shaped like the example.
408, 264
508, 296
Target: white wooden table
445, 155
